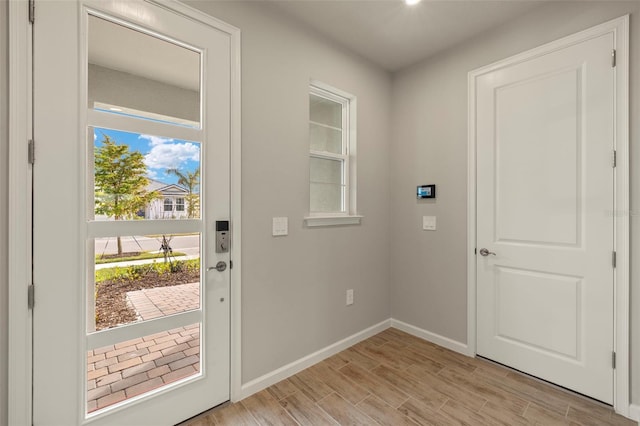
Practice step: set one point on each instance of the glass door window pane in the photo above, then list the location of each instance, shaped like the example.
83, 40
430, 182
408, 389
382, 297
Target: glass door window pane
139, 278
138, 176
148, 86
134, 367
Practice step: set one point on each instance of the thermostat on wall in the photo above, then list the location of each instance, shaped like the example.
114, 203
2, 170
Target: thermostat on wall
426, 191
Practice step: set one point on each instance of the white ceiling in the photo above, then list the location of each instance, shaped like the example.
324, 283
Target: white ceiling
394, 35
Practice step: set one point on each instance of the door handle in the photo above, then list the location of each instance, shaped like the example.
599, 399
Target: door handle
220, 267
485, 252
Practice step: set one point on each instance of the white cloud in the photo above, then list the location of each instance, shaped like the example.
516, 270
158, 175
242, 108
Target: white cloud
155, 140
171, 155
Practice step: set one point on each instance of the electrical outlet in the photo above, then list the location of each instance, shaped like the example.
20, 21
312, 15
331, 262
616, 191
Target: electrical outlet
349, 297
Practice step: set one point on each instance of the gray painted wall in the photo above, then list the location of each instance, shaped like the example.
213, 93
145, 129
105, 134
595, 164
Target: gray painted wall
4, 177
429, 133
293, 288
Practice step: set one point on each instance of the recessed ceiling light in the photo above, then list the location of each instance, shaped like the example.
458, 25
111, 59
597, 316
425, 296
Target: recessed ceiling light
411, 2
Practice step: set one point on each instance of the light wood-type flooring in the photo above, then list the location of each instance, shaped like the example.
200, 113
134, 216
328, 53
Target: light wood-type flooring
394, 378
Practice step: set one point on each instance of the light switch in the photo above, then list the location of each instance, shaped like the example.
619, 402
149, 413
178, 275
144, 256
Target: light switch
429, 223
280, 226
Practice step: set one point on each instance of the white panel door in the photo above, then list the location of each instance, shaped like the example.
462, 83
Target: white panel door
131, 122
545, 180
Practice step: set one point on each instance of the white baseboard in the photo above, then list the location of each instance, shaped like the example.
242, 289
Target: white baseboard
634, 412
289, 370
439, 340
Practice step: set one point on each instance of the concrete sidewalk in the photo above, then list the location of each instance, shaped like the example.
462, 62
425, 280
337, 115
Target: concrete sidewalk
143, 262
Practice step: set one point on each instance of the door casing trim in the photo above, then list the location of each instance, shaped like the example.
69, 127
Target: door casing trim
619, 27
19, 207
19, 211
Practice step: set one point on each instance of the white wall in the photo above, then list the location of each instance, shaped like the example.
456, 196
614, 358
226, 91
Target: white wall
293, 288
4, 177
429, 134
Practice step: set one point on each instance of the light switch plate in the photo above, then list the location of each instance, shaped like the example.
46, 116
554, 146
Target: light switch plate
280, 226
429, 223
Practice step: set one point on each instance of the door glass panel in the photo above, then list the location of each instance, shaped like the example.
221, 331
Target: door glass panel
139, 278
140, 176
135, 74
127, 369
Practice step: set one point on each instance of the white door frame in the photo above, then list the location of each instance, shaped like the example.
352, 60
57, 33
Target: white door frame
19, 206
620, 29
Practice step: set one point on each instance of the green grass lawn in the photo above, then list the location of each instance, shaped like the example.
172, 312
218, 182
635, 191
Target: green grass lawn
141, 256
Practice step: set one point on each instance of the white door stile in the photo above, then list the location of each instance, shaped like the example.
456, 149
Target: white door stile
132, 331
107, 120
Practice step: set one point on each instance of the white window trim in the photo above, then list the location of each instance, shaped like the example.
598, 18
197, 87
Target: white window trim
350, 216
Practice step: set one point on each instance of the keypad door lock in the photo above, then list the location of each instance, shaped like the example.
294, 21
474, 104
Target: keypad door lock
222, 236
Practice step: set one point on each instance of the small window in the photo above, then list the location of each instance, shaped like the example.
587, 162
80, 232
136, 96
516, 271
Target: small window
168, 205
179, 204
331, 153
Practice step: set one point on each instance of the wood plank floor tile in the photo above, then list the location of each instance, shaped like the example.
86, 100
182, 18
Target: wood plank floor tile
394, 378
384, 354
340, 383
351, 356
539, 415
234, 414
423, 414
383, 390
282, 389
344, 412
506, 400
266, 410
461, 394
496, 411
464, 416
383, 413
305, 411
307, 383
411, 386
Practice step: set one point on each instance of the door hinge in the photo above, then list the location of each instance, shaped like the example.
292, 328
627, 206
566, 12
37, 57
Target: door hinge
32, 11
31, 301
231, 264
31, 154
613, 360
613, 58
613, 259
615, 158
475, 250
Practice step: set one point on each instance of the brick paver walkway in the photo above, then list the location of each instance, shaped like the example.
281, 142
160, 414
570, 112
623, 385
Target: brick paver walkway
158, 302
122, 371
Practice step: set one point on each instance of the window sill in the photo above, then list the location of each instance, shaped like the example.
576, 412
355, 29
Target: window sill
313, 221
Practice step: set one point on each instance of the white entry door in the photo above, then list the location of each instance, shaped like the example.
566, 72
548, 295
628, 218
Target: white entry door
131, 183
545, 228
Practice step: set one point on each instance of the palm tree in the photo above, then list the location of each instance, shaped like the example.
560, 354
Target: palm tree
191, 181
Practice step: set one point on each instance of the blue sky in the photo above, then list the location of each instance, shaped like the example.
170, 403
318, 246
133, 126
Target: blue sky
159, 153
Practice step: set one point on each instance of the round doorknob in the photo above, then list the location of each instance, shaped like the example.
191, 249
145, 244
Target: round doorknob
485, 252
